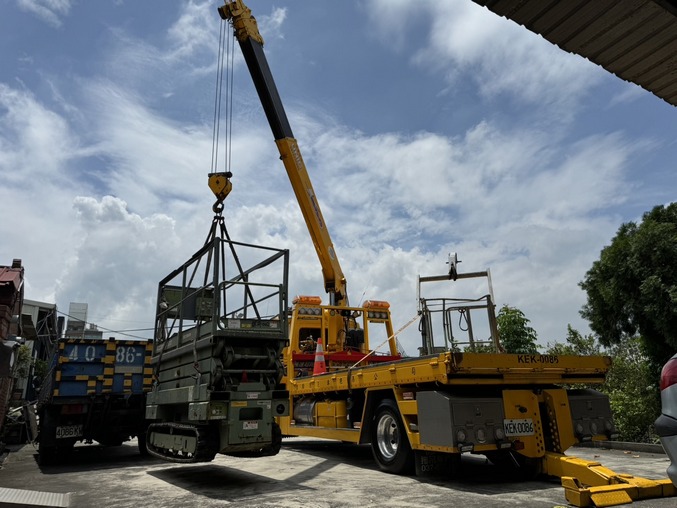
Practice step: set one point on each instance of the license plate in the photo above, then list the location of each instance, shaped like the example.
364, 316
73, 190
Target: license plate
69, 431
515, 428
252, 425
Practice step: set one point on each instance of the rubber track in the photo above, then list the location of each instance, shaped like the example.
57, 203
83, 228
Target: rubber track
207, 446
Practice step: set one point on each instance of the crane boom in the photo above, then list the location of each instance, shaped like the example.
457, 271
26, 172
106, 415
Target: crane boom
251, 43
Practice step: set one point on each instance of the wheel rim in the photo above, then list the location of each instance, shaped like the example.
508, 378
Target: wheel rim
387, 437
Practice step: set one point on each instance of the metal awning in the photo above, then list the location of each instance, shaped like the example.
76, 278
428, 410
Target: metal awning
634, 39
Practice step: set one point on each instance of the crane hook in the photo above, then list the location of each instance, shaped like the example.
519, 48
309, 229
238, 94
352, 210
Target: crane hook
221, 186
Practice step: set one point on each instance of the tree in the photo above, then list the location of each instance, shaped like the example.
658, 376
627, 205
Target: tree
514, 331
631, 385
576, 344
632, 288
23, 361
481, 348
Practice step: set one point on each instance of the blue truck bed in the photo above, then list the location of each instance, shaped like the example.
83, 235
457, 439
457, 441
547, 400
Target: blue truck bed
96, 391
93, 367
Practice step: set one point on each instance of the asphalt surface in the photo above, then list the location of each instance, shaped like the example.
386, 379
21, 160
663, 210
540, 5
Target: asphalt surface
307, 473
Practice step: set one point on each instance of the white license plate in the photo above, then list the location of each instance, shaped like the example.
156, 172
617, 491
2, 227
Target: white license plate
251, 425
69, 431
515, 428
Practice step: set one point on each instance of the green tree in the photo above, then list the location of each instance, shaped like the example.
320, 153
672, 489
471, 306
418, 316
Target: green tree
576, 344
23, 361
632, 288
631, 385
514, 331
481, 348
633, 390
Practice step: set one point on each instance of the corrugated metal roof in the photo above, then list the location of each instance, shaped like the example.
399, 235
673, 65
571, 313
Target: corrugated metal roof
634, 39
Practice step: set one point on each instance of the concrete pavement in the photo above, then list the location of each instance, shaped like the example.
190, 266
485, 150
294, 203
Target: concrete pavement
307, 473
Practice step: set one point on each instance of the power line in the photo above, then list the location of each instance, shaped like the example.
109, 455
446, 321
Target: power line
104, 329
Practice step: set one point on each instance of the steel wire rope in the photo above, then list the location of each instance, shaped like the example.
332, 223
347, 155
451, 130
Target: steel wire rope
217, 98
225, 63
231, 74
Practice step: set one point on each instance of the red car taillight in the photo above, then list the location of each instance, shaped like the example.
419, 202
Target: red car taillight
669, 373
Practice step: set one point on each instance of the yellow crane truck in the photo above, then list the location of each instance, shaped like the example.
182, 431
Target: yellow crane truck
421, 414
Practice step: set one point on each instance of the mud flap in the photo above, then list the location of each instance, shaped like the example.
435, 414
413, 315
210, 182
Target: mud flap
32, 422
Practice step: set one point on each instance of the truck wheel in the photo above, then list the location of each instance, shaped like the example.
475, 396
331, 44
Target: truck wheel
529, 468
141, 442
48, 456
276, 444
389, 442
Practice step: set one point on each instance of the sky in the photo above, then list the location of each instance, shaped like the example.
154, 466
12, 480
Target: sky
426, 127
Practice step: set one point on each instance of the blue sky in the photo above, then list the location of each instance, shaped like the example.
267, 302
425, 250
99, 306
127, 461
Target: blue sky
427, 128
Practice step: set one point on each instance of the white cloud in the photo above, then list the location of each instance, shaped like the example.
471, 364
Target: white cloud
271, 25
111, 183
466, 41
193, 32
516, 201
36, 148
50, 11
25, 125
117, 261
629, 93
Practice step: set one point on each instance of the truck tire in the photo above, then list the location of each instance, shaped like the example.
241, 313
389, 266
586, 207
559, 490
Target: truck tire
389, 442
141, 443
529, 468
276, 444
48, 456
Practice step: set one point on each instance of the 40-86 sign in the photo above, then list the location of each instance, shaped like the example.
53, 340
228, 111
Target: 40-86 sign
85, 352
124, 355
129, 354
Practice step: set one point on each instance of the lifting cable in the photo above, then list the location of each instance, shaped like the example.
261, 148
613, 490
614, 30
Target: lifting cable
225, 63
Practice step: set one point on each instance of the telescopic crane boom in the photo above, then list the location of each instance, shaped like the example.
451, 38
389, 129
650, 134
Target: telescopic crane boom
251, 43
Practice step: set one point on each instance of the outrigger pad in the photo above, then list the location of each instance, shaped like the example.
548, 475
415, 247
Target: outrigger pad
630, 488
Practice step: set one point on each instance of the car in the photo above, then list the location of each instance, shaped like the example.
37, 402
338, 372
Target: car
666, 424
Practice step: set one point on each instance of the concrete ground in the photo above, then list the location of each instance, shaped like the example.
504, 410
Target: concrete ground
307, 473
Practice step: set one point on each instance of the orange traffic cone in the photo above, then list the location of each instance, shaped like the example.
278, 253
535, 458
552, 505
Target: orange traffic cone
319, 367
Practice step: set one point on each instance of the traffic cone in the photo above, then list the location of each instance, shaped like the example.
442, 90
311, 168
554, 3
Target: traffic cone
319, 367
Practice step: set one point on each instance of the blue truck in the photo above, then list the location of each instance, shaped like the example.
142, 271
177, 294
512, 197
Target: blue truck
95, 391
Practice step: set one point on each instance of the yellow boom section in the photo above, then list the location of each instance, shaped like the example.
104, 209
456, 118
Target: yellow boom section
334, 280
247, 33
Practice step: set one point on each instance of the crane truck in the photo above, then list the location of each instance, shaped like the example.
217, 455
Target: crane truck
421, 414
